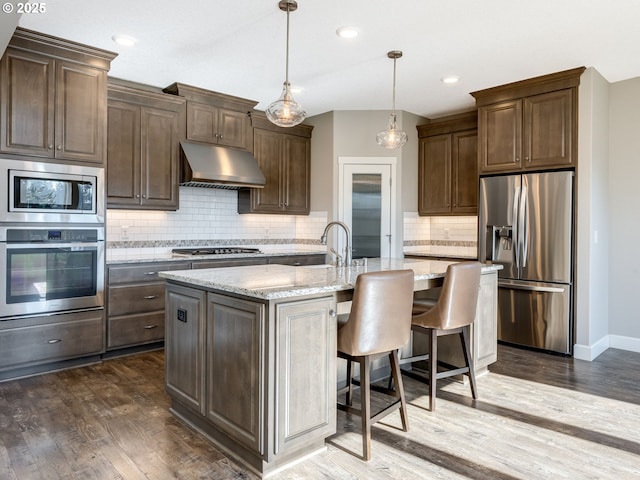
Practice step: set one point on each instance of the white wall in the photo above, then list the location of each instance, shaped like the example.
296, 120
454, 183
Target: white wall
8, 24
592, 229
624, 178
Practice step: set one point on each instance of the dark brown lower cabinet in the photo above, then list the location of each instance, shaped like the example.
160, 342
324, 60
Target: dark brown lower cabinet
257, 377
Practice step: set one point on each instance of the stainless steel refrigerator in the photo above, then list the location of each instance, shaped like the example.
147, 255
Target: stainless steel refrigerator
525, 223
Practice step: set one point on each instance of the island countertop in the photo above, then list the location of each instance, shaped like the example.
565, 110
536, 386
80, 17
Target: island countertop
271, 282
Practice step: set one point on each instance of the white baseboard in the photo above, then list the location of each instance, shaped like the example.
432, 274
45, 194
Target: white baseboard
591, 352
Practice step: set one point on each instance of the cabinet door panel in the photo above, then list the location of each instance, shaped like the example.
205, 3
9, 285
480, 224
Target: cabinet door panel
296, 174
235, 399
202, 122
80, 113
267, 148
464, 166
159, 163
184, 348
306, 377
27, 103
233, 128
500, 133
548, 129
123, 154
434, 175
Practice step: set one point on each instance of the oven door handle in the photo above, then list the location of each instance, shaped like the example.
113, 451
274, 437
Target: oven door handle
60, 246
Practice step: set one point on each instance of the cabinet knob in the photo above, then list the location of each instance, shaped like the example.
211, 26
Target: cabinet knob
221, 136
517, 159
50, 147
527, 159
137, 196
59, 147
144, 196
332, 313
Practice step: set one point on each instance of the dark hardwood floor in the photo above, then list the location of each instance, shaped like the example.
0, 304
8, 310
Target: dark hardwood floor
539, 416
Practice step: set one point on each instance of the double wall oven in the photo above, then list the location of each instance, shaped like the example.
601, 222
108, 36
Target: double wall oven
52, 249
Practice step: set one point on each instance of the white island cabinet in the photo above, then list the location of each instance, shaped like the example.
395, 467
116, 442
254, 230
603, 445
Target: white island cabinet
251, 353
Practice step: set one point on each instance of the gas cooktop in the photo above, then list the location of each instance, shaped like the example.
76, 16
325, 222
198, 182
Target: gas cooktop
213, 250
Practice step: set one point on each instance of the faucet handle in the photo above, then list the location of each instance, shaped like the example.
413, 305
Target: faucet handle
338, 257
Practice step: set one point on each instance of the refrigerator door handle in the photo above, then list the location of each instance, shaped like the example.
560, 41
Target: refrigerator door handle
532, 288
523, 220
516, 226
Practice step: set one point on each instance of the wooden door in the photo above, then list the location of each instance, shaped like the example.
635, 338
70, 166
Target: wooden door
159, 158
500, 136
464, 171
233, 128
27, 102
434, 170
185, 345
267, 149
548, 129
81, 115
236, 366
123, 155
306, 375
297, 165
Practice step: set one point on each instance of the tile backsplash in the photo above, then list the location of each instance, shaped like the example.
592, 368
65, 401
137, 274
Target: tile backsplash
208, 217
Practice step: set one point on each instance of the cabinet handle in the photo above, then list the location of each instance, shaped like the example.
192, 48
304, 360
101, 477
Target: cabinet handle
150, 297
150, 327
54, 340
150, 273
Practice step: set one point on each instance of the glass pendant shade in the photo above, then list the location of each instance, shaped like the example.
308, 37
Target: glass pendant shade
392, 137
285, 112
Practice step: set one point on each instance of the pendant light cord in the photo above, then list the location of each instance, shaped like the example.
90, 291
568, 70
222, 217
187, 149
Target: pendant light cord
393, 102
286, 74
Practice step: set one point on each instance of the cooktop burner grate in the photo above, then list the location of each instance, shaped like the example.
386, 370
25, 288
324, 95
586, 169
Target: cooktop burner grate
213, 250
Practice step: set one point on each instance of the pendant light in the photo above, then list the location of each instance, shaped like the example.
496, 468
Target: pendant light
392, 137
286, 112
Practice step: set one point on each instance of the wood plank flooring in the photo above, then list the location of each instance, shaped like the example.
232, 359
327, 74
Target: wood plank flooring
539, 416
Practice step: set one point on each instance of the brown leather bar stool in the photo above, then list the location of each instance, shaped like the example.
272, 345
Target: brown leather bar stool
379, 324
453, 313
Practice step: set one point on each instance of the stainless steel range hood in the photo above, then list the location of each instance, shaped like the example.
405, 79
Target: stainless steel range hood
212, 166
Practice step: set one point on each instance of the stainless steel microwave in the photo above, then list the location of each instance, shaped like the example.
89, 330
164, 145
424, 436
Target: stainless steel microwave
39, 192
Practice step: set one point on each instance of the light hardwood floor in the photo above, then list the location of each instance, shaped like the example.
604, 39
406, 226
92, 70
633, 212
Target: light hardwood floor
538, 417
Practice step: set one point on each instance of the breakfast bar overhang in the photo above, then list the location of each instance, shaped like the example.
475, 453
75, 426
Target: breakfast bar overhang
250, 352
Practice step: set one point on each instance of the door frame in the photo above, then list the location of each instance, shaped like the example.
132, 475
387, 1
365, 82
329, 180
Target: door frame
392, 162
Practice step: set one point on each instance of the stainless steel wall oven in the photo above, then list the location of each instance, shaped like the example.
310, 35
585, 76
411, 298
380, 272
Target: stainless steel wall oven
48, 269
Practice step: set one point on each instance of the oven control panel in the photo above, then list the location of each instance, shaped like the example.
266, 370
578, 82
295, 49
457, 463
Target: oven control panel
42, 235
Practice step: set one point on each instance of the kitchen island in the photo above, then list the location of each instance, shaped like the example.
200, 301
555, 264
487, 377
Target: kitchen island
250, 352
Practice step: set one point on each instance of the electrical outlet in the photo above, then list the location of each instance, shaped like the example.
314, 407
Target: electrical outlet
182, 315
124, 233
446, 234
266, 233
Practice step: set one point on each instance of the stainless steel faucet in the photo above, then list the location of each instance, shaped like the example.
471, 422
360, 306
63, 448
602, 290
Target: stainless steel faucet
347, 250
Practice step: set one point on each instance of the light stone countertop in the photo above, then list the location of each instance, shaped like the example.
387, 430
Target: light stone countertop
271, 282
169, 257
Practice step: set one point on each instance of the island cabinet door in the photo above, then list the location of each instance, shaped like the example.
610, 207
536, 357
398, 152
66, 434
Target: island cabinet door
235, 363
305, 356
184, 346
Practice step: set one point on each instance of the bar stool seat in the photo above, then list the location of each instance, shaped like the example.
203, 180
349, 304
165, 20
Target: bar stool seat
452, 313
379, 324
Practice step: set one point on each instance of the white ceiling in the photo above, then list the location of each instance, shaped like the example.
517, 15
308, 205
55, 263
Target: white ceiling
238, 47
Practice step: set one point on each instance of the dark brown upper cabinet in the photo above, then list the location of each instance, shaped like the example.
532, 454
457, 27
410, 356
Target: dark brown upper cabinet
529, 125
53, 96
447, 166
284, 156
214, 117
143, 148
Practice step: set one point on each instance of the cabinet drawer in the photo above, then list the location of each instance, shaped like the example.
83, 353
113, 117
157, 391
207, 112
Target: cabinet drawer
299, 260
58, 340
135, 329
141, 298
142, 273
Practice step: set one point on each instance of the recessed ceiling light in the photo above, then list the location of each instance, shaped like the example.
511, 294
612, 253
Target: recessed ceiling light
124, 40
347, 32
450, 79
